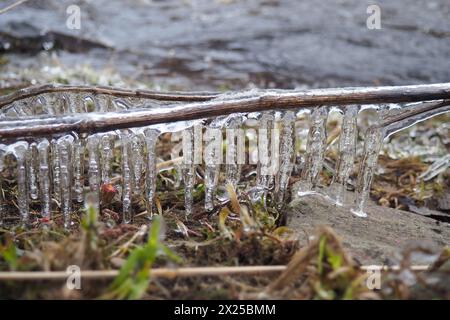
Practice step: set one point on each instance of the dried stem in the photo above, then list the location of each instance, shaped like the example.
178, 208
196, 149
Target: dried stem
156, 273
168, 272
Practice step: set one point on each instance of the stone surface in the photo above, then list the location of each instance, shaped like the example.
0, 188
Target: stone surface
377, 239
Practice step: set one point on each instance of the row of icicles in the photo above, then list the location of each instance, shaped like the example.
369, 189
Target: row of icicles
56, 168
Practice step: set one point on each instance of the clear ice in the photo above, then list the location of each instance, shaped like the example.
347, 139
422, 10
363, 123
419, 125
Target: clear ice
213, 159
137, 160
94, 168
315, 151
55, 168
287, 153
188, 169
127, 176
106, 155
44, 179
372, 145
78, 168
64, 145
151, 137
266, 154
346, 154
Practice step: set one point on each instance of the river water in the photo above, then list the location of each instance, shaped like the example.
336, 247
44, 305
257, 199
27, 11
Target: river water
226, 44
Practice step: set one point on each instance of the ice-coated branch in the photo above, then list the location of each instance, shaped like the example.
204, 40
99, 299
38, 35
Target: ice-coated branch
253, 101
117, 92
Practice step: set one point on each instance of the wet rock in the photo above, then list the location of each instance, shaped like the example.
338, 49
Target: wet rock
377, 239
424, 211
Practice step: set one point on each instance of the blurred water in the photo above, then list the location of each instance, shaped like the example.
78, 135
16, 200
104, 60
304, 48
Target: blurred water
206, 44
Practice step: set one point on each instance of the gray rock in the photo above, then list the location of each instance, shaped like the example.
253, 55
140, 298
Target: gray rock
377, 239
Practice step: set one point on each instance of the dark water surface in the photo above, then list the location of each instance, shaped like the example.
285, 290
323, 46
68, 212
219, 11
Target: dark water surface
211, 44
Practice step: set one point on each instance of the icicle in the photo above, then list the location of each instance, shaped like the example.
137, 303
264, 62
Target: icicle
266, 154
44, 178
19, 149
233, 163
2, 163
372, 145
436, 168
65, 161
198, 143
93, 168
56, 171
213, 159
78, 169
76, 103
188, 169
286, 156
346, 156
24, 107
174, 153
52, 103
315, 149
102, 102
137, 162
31, 171
125, 140
151, 137
107, 156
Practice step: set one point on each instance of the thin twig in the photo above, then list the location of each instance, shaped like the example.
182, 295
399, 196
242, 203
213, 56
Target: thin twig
168, 272
12, 6
415, 114
117, 92
156, 273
